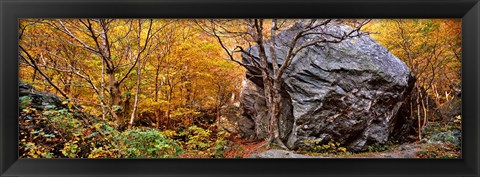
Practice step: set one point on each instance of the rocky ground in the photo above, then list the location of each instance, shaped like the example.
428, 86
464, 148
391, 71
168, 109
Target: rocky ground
402, 151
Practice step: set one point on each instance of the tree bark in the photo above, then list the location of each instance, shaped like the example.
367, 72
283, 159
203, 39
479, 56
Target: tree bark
115, 98
274, 128
135, 104
102, 96
418, 114
271, 89
425, 111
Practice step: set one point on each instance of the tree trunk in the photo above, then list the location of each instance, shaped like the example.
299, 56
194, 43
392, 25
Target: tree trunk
157, 72
425, 111
34, 75
271, 89
135, 104
418, 114
272, 98
169, 106
274, 135
102, 96
218, 105
115, 97
157, 119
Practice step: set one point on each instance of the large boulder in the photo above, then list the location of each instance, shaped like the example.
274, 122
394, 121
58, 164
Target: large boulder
352, 92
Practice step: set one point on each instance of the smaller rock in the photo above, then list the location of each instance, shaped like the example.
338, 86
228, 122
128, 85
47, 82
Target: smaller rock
275, 153
39, 99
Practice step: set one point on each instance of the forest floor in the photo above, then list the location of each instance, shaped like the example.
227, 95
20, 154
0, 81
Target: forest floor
252, 150
408, 150
438, 142
244, 148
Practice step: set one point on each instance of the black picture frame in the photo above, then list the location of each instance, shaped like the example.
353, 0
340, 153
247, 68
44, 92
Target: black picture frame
12, 10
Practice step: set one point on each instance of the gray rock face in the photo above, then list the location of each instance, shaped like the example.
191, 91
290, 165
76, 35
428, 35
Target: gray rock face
349, 92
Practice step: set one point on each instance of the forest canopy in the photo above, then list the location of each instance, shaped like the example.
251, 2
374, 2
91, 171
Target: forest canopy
172, 87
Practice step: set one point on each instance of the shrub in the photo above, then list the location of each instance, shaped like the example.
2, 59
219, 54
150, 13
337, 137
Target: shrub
198, 138
23, 102
64, 121
58, 132
445, 150
203, 143
100, 152
70, 149
318, 146
377, 147
170, 133
149, 143
221, 143
37, 150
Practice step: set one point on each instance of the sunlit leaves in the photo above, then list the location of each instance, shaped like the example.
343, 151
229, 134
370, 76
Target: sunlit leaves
431, 48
